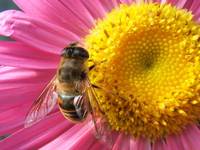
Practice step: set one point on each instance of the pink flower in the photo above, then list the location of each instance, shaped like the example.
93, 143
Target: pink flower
40, 31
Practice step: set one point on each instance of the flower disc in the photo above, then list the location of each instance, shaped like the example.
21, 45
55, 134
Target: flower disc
147, 65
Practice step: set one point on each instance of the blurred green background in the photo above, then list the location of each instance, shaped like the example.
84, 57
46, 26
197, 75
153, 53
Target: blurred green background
5, 5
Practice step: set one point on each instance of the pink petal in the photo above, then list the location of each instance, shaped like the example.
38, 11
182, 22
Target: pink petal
14, 107
197, 13
173, 2
19, 88
190, 138
140, 144
95, 8
65, 16
12, 119
109, 5
195, 10
153, 1
24, 84
77, 16
183, 4
12, 97
174, 142
129, 143
99, 146
20, 55
130, 1
78, 137
77, 11
37, 135
194, 7
187, 140
190, 5
122, 142
159, 145
19, 76
35, 32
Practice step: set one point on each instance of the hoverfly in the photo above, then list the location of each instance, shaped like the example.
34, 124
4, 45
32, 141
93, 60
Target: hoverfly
71, 89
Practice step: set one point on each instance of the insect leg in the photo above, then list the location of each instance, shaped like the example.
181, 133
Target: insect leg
98, 134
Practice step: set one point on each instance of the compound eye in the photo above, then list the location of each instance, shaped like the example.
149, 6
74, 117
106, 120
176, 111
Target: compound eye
67, 52
75, 52
81, 53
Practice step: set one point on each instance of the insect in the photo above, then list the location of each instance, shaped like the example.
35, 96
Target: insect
71, 89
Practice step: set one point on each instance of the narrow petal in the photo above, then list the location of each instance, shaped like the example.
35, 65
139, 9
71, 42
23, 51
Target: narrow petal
190, 138
19, 88
190, 5
187, 140
80, 14
109, 5
95, 8
14, 107
12, 119
19, 76
122, 142
194, 6
78, 137
183, 4
160, 145
140, 144
99, 146
35, 32
173, 2
130, 1
197, 13
77, 11
174, 142
19, 55
24, 84
69, 14
37, 135
19, 95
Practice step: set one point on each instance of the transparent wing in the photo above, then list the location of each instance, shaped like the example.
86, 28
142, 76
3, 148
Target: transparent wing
43, 105
103, 132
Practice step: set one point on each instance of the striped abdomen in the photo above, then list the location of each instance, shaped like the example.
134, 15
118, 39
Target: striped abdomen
73, 107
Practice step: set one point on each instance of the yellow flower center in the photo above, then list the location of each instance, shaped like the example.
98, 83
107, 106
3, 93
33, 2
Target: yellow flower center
147, 64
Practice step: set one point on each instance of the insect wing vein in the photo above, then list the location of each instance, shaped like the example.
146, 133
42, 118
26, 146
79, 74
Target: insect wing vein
43, 105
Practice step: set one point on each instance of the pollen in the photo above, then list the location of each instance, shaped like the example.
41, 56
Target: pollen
147, 65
